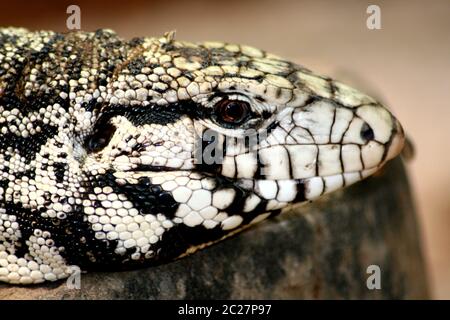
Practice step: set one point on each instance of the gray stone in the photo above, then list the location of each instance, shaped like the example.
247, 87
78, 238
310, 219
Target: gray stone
319, 250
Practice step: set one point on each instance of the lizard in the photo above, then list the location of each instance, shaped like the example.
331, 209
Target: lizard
118, 154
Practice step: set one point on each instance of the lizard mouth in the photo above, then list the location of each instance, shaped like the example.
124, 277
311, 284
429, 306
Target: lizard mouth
150, 168
158, 169
320, 185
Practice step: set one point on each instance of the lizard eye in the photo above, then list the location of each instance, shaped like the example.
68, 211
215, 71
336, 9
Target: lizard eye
101, 137
231, 112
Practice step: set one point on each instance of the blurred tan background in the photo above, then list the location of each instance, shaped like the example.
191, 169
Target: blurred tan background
406, 64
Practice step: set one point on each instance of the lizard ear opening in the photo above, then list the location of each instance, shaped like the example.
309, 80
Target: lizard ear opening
100, 138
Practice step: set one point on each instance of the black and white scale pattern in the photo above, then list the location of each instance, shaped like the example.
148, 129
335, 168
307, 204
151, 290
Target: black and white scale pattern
99, 141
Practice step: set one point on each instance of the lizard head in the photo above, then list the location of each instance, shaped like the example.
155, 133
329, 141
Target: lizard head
212, 137
120, 153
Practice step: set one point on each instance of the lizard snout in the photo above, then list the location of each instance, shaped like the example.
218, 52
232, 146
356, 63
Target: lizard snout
397, 141
380, 130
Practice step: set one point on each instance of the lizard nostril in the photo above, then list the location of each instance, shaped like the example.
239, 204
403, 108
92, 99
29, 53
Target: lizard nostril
367, 132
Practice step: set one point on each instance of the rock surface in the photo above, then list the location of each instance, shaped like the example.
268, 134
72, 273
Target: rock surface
315, 251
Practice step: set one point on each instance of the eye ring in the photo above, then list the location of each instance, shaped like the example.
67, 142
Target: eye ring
231, 112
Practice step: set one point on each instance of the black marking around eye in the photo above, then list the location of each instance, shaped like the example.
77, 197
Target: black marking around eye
154, 114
